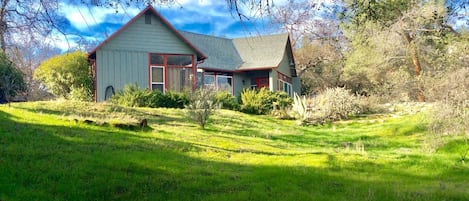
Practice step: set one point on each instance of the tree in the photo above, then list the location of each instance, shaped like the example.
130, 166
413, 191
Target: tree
317, 40
67, 74
394, 36
11, 79
27, 56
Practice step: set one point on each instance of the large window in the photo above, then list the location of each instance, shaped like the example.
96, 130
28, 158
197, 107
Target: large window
171, 72
157, 78
217, 81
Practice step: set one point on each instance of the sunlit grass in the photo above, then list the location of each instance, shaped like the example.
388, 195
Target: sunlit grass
47, 155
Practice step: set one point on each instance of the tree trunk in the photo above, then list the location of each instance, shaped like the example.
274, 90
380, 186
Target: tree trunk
417, 66
3, 24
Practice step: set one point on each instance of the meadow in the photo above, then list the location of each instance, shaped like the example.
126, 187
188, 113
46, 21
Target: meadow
62, 150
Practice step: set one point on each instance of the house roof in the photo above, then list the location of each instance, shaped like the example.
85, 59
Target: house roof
149, 8
221, 53
240, 54
261, 51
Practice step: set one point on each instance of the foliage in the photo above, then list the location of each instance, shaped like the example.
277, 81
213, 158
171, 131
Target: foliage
331, 105
171, 99
300, 109
62, 73
263, 101
451, 113
81, 94
11, 79
395, 39
226, 100
201, 105
133, 96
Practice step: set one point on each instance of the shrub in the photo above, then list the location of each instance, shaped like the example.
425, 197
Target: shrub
332, 104
11, 79
263, 101
172, 100
63, 72
300, 109
133, 96
201, 105
81, 94
226, 100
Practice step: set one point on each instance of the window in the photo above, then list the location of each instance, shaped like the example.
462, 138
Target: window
218, 81
224, 83
157, 78
179, 78
285, 86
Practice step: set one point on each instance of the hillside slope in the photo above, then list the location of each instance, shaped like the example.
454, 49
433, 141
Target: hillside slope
55, 151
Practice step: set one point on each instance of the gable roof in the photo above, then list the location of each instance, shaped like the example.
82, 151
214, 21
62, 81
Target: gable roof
149, 8
222, 54
240, 54
261, 51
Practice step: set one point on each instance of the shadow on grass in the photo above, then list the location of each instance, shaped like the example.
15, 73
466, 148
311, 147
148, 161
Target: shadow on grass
69, 162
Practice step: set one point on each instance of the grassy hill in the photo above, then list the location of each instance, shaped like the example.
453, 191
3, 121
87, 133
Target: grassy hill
55, 151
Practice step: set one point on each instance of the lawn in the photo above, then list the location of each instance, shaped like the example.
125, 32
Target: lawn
49, 151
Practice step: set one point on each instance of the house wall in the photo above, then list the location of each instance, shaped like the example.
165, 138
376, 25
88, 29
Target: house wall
284, 68
124, 59
238, 83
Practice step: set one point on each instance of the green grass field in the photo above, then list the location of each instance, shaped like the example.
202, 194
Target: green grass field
47, 152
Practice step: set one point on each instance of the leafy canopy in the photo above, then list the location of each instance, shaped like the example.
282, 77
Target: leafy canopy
11, 78
66, 75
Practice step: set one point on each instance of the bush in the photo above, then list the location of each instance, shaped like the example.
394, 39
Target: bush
338, 103
61, 73
172, 100
201, 106
81, 94
332, 104
263, 101
134, 96
226, 100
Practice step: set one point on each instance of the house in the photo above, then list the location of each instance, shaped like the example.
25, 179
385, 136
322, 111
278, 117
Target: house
149, 51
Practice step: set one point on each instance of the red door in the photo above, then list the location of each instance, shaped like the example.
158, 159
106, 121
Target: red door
262, 82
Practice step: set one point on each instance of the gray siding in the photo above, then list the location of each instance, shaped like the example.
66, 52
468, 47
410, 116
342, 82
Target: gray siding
118, 68
238, 83
155, 37
124, 59
284, 66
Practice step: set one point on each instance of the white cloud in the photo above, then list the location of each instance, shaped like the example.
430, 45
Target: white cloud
84, 17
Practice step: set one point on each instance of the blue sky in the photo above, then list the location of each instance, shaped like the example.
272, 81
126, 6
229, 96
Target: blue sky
210, 17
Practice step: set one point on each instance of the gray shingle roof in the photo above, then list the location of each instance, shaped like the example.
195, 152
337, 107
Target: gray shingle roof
261, 51
221, 53
241, 53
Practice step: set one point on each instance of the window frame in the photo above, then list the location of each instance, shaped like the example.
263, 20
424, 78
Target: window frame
151, 77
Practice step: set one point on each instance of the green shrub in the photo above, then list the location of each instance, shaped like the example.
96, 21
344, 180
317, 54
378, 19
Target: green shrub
132, 96
263, 101
226, 100
201, 105
81, 94
173, 100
